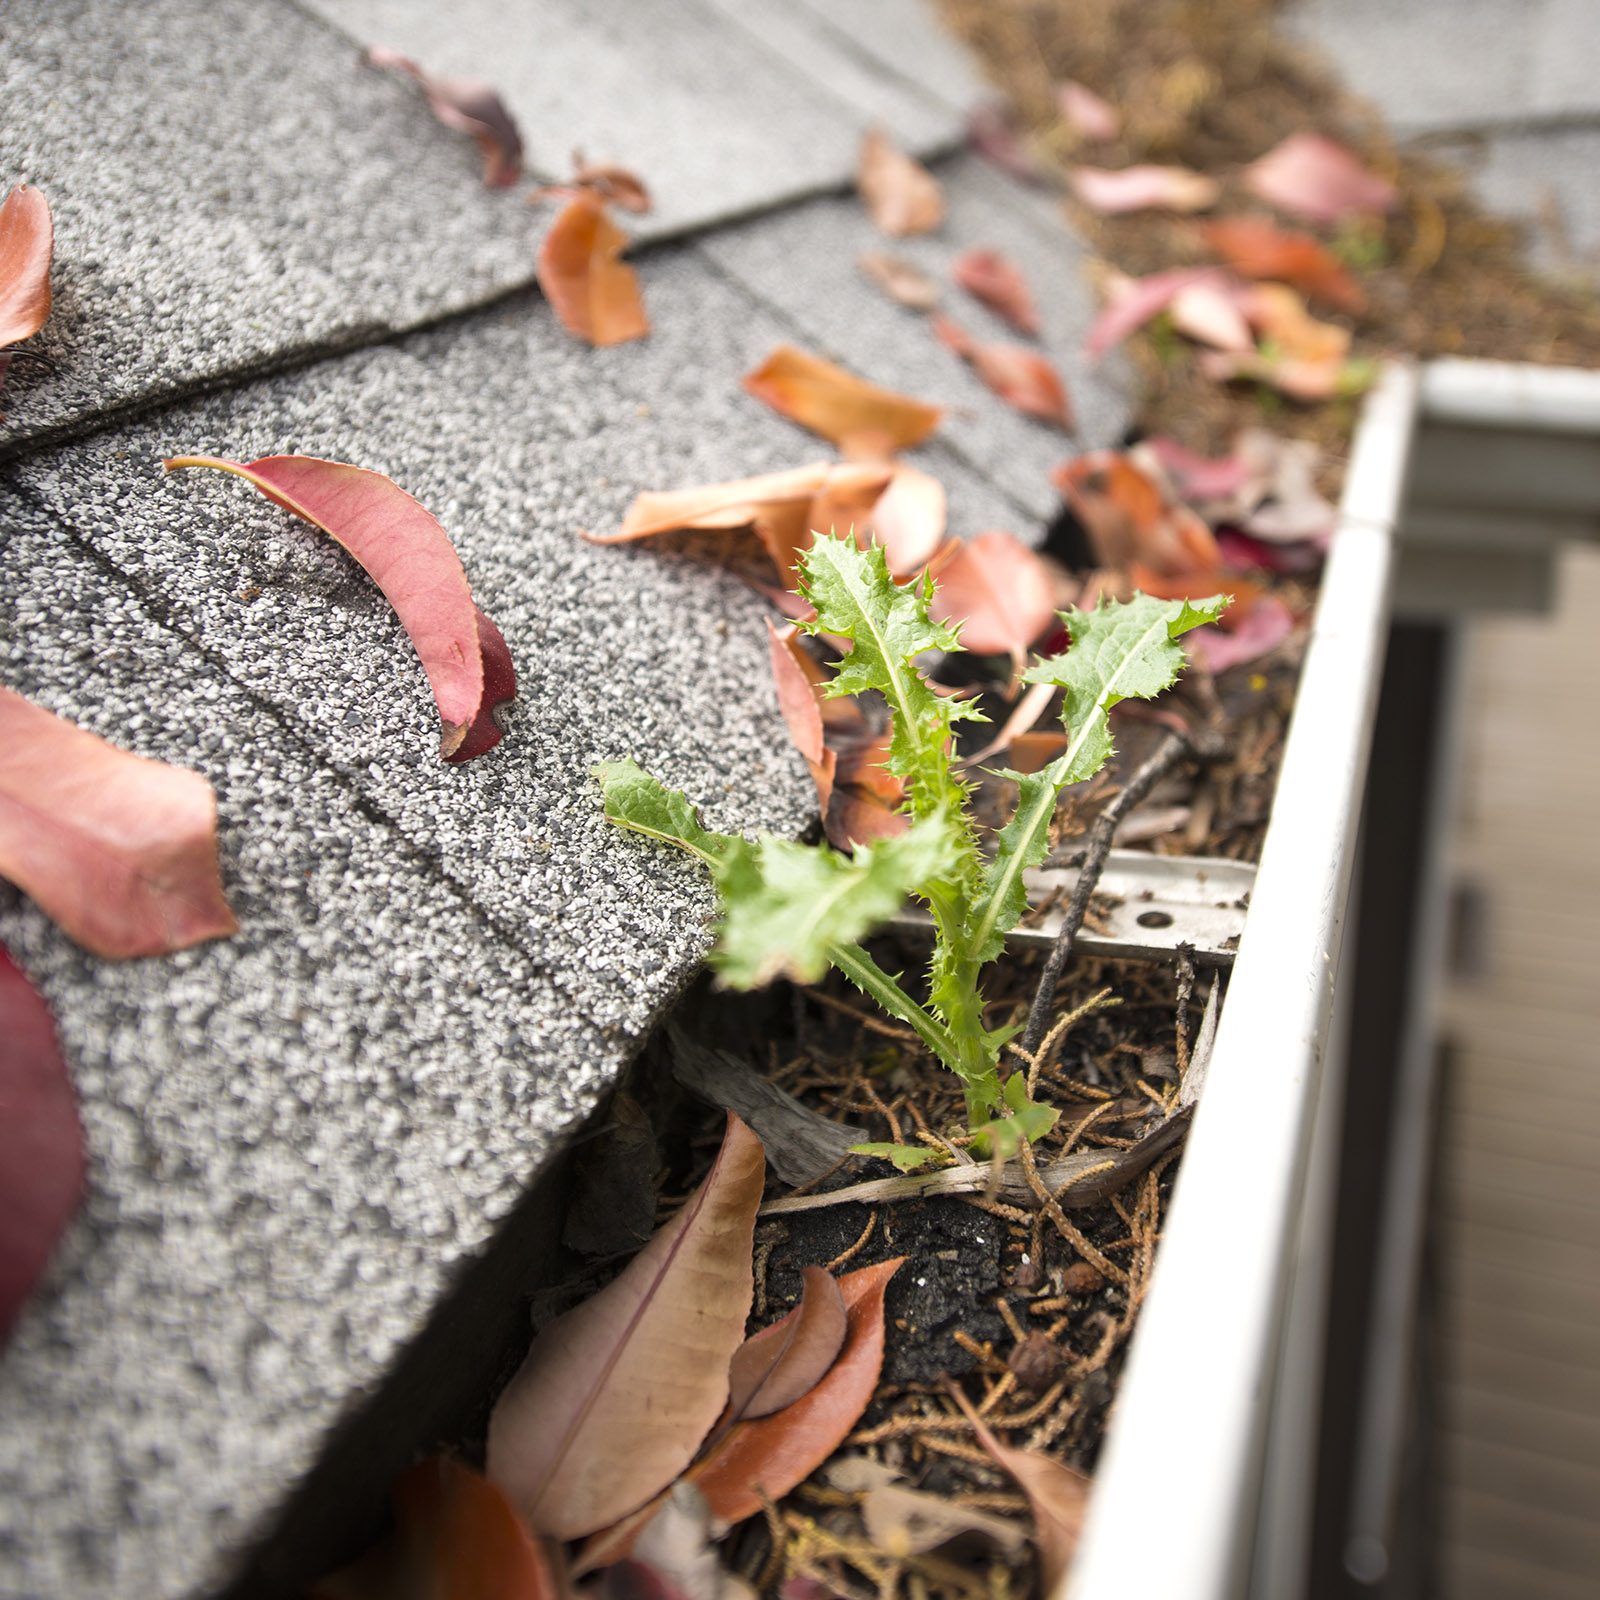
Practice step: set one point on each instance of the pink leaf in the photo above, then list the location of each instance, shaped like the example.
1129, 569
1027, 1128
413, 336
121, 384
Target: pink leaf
410, 558
1199, 478
777, 1365
468, 106
908, 520
1262, 627
1134, 301
1086, 113
1021, 377
121, 852
41, 1141
991, 134
1312, 177
999, 591
1209, 313
991, 279
27, 238
1143, 188
905, 284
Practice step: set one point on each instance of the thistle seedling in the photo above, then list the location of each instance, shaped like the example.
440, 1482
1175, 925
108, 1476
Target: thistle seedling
794, 909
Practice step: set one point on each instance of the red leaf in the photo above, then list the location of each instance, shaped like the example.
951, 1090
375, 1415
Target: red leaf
121, 852
1023, 378
1312, 177
907, 285
787, 1359
468, 106
994, 281
1131, 519
798, 701
410, 558
837, 404
1256, 248
593, 293
902, 196
1140, 299
1143, 188
1058, 1495
457, 1538
998, 590
616, 1395
41, 1141
770, 1456
1086, 113
27, 238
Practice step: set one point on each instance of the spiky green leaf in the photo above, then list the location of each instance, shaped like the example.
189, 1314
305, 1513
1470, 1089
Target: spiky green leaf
788, 907
906, 1157
1120, 651
1027, 1121
636, 801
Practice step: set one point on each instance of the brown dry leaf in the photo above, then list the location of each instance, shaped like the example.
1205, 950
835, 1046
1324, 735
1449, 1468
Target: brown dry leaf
119, 851
595, 295
901, 195
1279, 314
838, 405
902, 1521
1256, 248
798, 700
909, 520
908, 285
1312, 177
998, 590
1021, 377
620, 185
469, 106
27, 240
868, 800
1143, 188
615, 1396
1131, 517
993, 280
787, 1359
1058, 1495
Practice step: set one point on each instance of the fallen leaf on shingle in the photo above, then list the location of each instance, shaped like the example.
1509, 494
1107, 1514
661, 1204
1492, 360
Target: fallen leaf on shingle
999, 592
456, 1537
787, 1359
409, 556
1143, 188
901, 195
27, 238
1086, 113
796, 683
991, 132
1262, 627
616, 1395
993, 280
1023, 378
591, 290
1058, 1495
1132, 302
903, 283
41, 1140
1312, 177
620, 185
908, 520
1131, 518
838, 405
120, 852
1256, 248
468, 106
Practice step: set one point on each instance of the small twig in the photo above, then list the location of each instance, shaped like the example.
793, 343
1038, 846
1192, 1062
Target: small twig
1166, 755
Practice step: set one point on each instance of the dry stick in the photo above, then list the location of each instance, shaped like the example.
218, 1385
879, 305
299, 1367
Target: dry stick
1165, 756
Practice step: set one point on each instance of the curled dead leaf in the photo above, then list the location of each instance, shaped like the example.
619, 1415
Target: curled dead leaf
903, 283
1021, 377
27, 241
908, 520
405, 551
1256, 248
41, 1140
119, 851
616, 1395
621, 186
994, 280
787, 1359
998, 590
1143, 188
900, 194
837, 404
591, 290
1132, 518
469, 106
1311, 176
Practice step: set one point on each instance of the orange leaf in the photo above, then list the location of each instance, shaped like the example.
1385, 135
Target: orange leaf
1280, 315
620, 185
771, 1455
1130, 517
787, 1359
1021, 377
901, 281
594, 294
908, 520
998, 590
837, 404
616, 1395
120, 851
1209, 313
992, 280
1058, 1495
457, 1538
27, 238
798, 701
1257, 248
469, 107
409, 556
901, 195
1143, 188
1314, 178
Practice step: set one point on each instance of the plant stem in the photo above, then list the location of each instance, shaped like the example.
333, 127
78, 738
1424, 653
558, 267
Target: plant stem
871, 979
